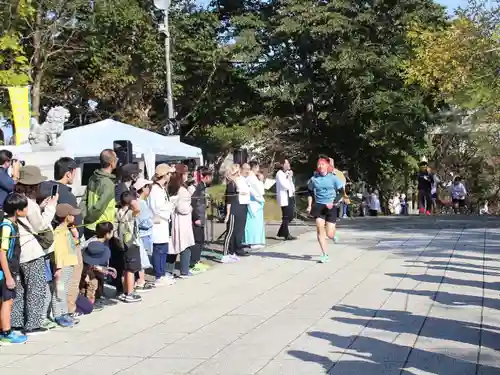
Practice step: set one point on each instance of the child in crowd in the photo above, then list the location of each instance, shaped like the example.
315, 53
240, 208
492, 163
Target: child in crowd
15, 205
96, 256
145, 225
65, 259
128, 235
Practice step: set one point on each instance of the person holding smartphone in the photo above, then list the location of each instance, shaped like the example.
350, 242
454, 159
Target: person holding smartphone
7, 181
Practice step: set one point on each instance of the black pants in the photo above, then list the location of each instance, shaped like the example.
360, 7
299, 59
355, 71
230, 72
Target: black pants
117, 261
287, 214
235, 230
425, 200
197, 248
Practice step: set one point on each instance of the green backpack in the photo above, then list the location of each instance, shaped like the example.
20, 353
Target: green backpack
12, 243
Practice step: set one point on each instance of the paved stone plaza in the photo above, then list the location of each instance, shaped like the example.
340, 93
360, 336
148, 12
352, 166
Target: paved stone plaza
399, 296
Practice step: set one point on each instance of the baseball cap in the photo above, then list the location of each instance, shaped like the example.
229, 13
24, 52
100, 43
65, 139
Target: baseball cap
163, 169
128, 170
65, 209
141, 182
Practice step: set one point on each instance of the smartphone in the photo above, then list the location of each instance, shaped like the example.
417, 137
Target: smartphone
55, 189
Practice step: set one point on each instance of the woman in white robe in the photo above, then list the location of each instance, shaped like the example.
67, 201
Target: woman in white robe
255, 234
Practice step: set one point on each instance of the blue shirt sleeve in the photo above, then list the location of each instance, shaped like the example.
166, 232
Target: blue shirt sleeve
337, 183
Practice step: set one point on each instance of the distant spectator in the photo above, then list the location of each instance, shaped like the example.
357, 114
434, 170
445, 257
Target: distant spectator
128, 175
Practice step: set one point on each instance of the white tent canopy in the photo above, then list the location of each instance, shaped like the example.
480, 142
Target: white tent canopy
89, 140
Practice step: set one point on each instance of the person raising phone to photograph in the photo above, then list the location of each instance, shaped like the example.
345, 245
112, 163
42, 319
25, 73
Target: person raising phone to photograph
327, 190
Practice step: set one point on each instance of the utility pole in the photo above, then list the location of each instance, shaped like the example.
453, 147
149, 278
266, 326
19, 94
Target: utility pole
164, 6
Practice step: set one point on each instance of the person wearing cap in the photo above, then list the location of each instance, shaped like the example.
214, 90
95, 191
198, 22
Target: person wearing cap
161, 206
145, 225
65, 259
128, 175
99, 202
96, 255
30, 308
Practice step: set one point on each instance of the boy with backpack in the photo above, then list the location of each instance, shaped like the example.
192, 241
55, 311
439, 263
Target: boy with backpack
14, 206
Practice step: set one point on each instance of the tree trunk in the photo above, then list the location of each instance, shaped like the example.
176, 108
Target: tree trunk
37, 65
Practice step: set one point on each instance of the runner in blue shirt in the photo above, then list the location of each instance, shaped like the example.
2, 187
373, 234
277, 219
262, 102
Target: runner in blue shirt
327, 190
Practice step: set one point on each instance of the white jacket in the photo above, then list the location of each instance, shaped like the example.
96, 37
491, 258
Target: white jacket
162, 208
285, 188
37, 222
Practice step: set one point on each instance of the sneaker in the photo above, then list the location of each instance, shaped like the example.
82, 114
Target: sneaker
344, 217
74, 320
12, 338
75, 314
202, 266
130, 298
256, 247
35, 331
196, 271
336, 238
49, 324
428, 213
147, 287
228, 259
168, 280
323, 259
187, 276
421, 210
63, 321
234, 257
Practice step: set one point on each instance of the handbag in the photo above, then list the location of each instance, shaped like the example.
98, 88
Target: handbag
44, 238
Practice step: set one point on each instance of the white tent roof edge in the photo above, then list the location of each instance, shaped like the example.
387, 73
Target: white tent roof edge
90, 140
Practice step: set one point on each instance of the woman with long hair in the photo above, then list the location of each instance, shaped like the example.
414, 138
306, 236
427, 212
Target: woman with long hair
182, 229
237, 200
161, 206
255, 235
30, 310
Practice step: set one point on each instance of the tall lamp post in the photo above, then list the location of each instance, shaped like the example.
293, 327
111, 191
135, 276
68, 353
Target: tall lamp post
163, 6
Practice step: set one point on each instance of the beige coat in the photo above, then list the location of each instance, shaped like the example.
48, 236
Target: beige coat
182, 235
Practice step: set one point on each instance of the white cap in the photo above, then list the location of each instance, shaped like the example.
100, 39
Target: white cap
141, 182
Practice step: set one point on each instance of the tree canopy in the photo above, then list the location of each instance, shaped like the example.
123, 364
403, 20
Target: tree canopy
296, 77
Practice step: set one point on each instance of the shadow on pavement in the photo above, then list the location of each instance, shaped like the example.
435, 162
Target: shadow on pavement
364, 355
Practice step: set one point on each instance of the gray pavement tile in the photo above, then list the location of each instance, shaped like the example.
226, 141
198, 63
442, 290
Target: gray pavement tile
162, 366
357, 365
44, 364
102, 365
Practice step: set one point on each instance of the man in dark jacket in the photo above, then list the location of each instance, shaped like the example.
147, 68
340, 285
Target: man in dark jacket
64, 175
199, 204
7, 183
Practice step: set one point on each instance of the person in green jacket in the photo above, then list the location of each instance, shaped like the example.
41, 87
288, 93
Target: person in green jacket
98, 203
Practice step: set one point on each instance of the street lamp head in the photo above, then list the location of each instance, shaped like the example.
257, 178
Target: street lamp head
162, 4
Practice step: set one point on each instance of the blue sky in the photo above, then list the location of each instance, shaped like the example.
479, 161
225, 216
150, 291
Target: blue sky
451, 4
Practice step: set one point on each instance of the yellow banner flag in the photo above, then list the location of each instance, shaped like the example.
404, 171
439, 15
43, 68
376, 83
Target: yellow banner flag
19, 101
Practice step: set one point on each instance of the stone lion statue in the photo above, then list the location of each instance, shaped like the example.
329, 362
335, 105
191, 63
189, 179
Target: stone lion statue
51, 129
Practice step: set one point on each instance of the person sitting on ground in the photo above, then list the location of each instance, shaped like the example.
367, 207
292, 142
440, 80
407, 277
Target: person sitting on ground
65, 259
96, 256
128, 235
15, 206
